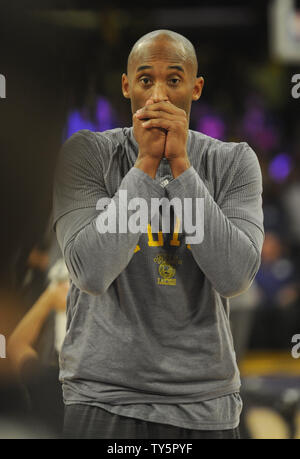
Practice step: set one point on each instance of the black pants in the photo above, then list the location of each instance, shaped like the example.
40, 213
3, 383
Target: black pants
85, 421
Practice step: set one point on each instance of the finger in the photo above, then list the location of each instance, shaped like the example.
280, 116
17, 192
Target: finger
163, 106
158, 122
136, 119
149, 114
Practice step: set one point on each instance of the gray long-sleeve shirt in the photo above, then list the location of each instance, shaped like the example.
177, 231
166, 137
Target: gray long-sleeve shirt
148, 315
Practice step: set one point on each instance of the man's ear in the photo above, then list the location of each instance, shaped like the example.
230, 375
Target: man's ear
197, 91
125, 86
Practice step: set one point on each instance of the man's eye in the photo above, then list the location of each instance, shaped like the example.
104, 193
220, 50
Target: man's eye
145, 81
174, 81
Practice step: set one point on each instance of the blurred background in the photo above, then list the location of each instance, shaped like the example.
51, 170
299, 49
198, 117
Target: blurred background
60, 71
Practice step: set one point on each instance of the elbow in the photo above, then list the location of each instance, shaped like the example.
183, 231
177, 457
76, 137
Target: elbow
88, 283
18, 352
12, 345
85, 276
235, 289
238, 279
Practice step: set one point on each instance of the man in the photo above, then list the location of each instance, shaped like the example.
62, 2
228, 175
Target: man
148, 351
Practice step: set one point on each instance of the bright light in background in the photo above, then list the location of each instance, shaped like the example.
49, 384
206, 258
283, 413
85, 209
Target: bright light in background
260, 130
212, 125
280, 167
80, 119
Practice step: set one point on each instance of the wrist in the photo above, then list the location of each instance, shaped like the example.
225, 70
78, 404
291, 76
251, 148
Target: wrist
148, 165
179, 165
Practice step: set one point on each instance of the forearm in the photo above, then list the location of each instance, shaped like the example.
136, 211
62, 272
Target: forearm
95, 258
21, 342
147, 165
179, 165
229, 254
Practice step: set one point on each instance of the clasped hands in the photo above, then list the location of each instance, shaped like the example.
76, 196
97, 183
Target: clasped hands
161, 130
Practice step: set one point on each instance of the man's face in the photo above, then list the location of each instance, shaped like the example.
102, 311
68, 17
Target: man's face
160, 70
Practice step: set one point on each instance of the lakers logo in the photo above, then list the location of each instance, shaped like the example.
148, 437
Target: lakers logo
166, 268
166, 271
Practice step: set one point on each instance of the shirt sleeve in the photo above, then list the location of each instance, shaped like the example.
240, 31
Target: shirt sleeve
94, 259
233, 234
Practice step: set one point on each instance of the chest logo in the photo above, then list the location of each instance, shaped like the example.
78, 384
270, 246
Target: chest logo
166, 269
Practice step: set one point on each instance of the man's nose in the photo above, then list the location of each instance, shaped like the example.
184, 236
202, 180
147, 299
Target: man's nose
159, 93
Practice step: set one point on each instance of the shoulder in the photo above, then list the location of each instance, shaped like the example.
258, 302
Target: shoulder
223, 157
111, 137
89, 147
97, 140
217, 149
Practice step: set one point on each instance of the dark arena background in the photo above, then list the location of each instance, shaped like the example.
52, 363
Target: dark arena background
60, 71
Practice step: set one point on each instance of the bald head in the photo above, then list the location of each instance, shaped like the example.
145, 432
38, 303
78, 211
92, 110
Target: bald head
147, 44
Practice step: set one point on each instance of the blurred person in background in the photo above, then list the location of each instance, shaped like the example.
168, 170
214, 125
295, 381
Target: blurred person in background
148, 356
242, 313
34, 277
42, 65
33, 349
277, 318
290, 202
